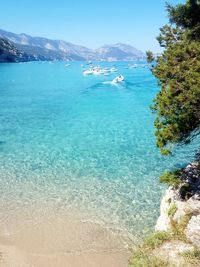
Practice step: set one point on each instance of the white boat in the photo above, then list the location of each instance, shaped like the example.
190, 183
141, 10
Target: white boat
118, 79
88, 72
96, 72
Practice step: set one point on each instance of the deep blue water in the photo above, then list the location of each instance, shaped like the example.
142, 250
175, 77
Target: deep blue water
80, 145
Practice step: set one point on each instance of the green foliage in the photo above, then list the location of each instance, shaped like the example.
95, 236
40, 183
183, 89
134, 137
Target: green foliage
144, 255
186, 16
149, 56
172, 210
168, 35
143, 258
171, 178
177, 105
157, 239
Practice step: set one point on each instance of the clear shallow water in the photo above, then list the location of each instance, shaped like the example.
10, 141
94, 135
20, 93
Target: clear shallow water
79, 145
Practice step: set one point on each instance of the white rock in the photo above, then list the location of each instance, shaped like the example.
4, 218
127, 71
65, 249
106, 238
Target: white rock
193, 230
171, 252
181, 210
163, 222
193, 206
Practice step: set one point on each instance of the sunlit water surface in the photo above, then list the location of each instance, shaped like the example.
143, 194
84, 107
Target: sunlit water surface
77, 144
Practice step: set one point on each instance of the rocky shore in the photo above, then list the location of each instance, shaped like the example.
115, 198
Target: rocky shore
9, 53
180, 215
176, 240
177, 205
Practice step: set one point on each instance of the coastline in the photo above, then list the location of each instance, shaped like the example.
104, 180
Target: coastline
176, 240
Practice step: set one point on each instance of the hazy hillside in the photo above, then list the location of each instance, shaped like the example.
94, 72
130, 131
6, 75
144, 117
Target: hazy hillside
9, 53
119, 51
46, 49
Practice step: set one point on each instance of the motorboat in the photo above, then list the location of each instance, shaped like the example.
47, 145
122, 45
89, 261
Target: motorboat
97, 70
118, 79
88, 72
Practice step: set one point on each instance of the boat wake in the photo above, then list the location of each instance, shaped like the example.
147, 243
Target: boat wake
113, 83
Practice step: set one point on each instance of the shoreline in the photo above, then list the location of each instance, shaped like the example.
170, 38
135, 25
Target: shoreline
64, 240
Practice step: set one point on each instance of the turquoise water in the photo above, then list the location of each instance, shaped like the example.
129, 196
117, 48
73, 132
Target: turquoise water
80, 145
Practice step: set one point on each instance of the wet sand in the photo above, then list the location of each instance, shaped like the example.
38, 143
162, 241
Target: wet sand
64, 242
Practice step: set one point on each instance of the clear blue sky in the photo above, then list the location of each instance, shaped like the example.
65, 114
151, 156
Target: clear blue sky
91, 23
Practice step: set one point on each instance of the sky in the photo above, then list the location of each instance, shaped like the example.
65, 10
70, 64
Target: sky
91, 23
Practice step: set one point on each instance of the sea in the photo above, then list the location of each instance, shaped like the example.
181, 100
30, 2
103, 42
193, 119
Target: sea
81, 146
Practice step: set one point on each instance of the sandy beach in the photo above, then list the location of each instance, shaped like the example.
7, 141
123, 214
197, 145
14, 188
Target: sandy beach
64, 242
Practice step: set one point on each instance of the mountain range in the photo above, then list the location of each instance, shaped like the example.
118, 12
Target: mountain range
39, 48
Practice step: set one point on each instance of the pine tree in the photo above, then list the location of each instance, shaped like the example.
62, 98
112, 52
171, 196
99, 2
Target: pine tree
177, 105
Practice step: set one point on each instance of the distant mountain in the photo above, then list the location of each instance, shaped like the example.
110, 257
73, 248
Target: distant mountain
119, 51
9, 52
40, 53
46, 49
40, 48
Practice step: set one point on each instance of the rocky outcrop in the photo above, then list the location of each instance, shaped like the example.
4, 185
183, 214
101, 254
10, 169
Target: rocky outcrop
193, 230
174, 209
180, 215
190, 178
175, 205
176, 241
163, 222
9, 53
172, 252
